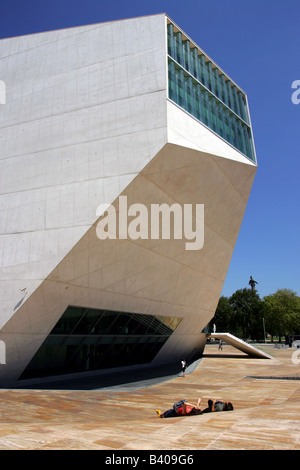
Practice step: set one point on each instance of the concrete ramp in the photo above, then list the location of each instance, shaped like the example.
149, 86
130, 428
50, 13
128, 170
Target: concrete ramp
240, 344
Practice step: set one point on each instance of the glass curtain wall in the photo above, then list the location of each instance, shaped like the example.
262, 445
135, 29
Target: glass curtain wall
199, 87
87, 339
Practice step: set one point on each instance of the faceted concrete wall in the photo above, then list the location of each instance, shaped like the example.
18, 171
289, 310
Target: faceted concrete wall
85, 113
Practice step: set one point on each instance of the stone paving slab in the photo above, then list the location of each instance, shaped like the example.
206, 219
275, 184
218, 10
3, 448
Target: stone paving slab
266, 414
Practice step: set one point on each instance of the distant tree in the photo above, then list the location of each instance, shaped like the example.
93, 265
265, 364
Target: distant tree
240, 314
222, 317
244, 314
247, 307
281, 311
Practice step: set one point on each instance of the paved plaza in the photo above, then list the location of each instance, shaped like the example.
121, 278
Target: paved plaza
265, 394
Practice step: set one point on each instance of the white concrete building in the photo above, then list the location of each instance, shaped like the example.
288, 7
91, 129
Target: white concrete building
127, 108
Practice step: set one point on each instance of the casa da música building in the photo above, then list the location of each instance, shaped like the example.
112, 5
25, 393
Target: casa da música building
127, 159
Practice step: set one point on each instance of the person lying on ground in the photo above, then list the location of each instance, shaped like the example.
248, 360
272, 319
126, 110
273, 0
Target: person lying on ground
181, 408
218, 405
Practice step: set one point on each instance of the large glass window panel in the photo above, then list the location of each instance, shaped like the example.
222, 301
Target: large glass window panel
248, 140
100, 340
180, 55
230, 95
208, 74
77, 354
187, 53
212, 78
121, 325
190, 96
87, 323
234, 131
236, 102
184, 54
68, 322
204, 106
138, 325
180, 82
171, 41
242, 107
44, 356
185, 88
241, 136
224, 90
218, 84
175, 46
228, 133
195, 98
203, 71
197, 104
196, 64
200, 67
172, 81
219, 116
105, 323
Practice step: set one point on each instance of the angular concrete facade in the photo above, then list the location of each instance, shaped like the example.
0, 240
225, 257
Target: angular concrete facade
88, 119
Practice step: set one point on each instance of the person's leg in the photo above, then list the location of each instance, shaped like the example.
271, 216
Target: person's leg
209, 408
206, 410
169, 414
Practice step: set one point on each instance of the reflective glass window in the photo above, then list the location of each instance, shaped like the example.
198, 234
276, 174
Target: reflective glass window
87, 339
198, 86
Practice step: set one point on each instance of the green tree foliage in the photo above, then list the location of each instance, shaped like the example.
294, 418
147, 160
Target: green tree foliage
282, 313
247, 307
223, 316
244, 314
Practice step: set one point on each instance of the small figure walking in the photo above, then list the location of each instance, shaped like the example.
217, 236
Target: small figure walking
220, 345
183, 367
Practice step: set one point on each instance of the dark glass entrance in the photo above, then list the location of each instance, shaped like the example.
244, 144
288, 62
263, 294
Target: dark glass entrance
86, 339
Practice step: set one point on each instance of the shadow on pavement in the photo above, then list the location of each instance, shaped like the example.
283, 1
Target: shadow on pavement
133, 379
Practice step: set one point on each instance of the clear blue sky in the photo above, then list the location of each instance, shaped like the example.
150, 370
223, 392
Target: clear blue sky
257, 43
